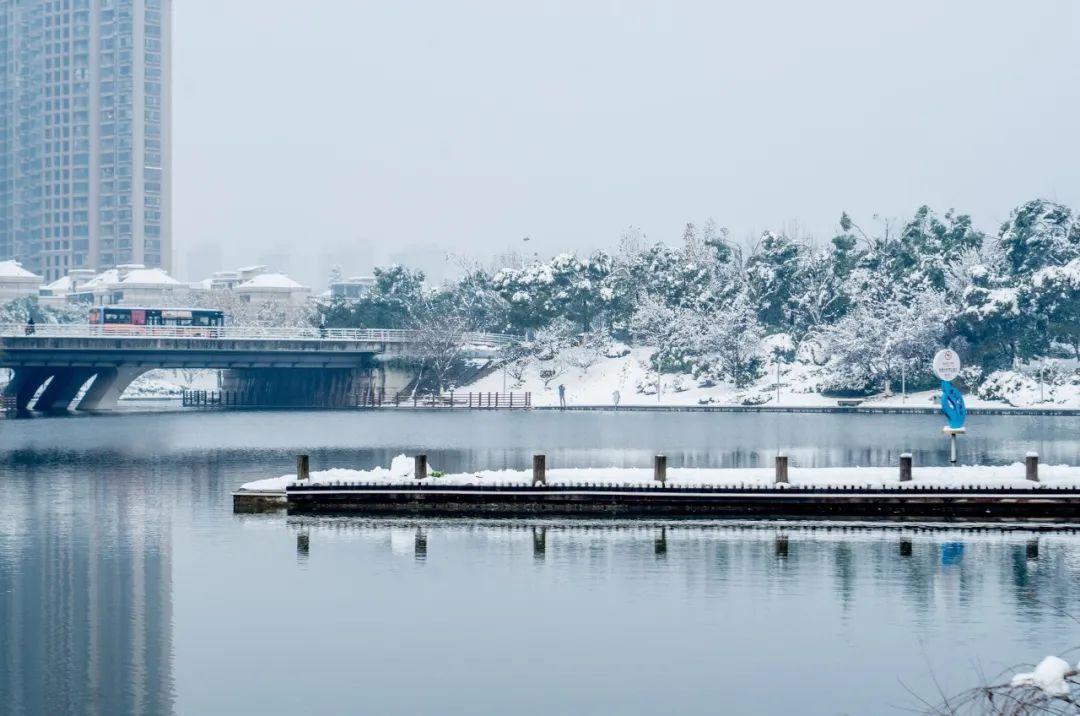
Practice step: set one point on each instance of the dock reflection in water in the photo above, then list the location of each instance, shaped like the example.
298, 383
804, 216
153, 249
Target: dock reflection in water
763, 617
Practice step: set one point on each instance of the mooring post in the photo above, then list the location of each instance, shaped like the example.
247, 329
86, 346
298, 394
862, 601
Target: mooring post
420, 467
781, 468
1031, 466
905, 547
302, 464
781, 545
905, 467
1032, 550
539, 470
660, 469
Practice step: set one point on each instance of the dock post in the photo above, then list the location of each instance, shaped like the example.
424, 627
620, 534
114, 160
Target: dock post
1031, 466
539, 470
781, 545
905, 467
1032, 549
905, 547
660, 469
781, 468
302, 467
420, 467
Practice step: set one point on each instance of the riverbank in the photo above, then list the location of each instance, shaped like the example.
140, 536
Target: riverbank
597, 381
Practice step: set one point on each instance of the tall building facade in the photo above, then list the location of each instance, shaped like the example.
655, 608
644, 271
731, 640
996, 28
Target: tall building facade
85, 134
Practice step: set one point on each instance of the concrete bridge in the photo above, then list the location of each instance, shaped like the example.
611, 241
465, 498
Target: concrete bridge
296, 364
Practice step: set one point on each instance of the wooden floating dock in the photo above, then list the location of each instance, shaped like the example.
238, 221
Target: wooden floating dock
967, 503
903, 499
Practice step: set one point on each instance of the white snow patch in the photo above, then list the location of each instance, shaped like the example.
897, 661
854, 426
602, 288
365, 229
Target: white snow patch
1049, 677
270, 280
977, 476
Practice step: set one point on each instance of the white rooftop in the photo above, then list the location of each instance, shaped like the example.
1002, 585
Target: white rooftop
12, 269
149, 277
270, 280
60, 285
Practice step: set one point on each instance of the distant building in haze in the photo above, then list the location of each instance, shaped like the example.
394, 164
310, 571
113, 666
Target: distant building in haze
85, 131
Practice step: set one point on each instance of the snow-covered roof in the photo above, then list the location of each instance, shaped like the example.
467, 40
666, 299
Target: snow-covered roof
270, 280
13, 269
206, 284
149, 277
60, 285
102, 279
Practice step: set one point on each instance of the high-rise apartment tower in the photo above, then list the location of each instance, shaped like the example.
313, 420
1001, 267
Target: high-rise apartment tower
85, 133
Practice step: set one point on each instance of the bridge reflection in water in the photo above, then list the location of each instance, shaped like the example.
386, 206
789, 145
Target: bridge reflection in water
56, 363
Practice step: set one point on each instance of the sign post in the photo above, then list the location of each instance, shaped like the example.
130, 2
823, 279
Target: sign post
946, 367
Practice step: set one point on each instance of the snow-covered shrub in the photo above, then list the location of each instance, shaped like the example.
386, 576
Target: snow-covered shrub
755, 398
1009, 386
616, 349
779, 346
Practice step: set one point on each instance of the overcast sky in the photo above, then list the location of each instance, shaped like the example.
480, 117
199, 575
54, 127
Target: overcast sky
360, 130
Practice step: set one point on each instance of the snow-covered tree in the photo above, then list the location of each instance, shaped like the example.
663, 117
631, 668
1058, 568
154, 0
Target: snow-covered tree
336, 275
878, 342
728, 343
994, 320
1056, 295
1038, 234
772, 272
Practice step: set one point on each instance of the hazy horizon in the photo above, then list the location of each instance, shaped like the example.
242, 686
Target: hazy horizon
359, 133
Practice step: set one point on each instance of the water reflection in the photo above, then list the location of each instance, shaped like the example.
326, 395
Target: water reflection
1030, 567
85, 607
127, 585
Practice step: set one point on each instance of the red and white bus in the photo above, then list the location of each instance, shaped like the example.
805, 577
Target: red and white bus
125, 319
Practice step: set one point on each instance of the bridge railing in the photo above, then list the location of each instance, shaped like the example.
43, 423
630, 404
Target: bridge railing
376, 335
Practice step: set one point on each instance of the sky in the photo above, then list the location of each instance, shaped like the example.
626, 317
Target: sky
338, 131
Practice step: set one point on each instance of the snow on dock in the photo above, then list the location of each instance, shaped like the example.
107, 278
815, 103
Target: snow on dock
401, 473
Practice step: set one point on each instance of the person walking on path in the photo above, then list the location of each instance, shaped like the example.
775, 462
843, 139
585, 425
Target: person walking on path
562, 395
30, 327
615, 398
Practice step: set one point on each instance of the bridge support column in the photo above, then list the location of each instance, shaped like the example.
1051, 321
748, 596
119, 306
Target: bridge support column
108, 386
299, 387
25, 382
63, 388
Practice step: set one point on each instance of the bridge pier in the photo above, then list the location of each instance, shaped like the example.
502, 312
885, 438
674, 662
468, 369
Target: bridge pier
63, 388
300, 387
108, 386
25, 382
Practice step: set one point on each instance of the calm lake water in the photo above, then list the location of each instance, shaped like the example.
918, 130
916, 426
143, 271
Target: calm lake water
128, 586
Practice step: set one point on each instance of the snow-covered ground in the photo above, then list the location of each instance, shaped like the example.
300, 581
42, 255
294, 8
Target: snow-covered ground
401, 472
595, 383
170, 383
157, 383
